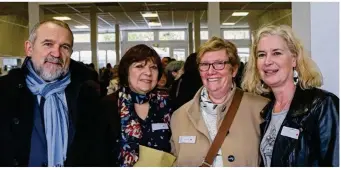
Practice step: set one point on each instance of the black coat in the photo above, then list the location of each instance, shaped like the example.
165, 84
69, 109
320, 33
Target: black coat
186, 87
17, 110
315, 113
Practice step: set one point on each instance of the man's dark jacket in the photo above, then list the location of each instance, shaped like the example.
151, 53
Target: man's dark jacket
17, 111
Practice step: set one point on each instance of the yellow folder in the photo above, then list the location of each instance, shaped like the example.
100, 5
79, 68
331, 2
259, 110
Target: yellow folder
149, 157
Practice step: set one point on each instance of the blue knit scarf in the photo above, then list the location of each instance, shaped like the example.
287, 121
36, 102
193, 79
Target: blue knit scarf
55, 113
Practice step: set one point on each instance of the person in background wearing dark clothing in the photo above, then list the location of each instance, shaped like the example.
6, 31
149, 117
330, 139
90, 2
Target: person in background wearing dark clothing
184, 88
165, 61
172, 71
92, 66
171, 60
95, 74
239, 76
161, 86
136, 114
49, 104
105, 79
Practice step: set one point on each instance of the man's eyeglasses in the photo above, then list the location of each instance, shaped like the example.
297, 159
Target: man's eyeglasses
217, 65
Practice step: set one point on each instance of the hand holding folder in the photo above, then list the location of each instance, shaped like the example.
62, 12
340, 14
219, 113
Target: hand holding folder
149, 157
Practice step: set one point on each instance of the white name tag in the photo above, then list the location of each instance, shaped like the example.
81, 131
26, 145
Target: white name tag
290, 132
159, 126
187, 139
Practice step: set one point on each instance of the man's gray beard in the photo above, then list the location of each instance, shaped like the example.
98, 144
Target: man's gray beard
50, 76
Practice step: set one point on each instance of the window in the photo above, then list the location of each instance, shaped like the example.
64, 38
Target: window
106, 37
172, 35
179, 54
85, 57
111, 57
140, 36
75, 56
244, 57
203, 35
162, 51
244, 50
236, 34
81, 37
10, 61
102, 57
243, 54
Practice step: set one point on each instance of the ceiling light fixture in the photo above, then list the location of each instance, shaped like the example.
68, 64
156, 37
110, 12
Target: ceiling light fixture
149, 14
154, 24
240, 13
229, 23
81, 26
63, 18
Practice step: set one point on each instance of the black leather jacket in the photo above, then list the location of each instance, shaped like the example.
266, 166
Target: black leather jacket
315, 113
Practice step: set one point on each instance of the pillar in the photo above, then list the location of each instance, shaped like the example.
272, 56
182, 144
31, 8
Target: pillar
35, 14
197, 30
213, 19
190, 38
117, 43
93, 35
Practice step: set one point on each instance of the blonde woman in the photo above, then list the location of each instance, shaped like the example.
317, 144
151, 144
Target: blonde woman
195, 124
301, 125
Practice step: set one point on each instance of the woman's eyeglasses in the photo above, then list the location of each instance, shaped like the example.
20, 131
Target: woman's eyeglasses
219, 65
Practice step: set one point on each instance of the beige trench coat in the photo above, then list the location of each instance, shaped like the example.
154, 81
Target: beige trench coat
242, 142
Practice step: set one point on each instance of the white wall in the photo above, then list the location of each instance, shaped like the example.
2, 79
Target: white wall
325, 42
320, 37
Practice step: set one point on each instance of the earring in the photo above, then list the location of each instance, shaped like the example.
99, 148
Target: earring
262, 83
295, 76
233, 81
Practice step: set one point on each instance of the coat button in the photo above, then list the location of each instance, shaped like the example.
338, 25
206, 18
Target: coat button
16, 121
230, 158
15, 162
20, 86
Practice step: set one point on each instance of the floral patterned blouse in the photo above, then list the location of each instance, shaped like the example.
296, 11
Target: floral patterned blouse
153, 131
155, 134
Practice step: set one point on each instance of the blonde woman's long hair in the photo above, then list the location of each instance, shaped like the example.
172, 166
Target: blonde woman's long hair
308, 72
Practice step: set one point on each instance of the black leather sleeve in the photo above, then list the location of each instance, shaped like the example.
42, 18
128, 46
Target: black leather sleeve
328, 125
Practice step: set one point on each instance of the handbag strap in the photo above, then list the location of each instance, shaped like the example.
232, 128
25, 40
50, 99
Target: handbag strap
223, 129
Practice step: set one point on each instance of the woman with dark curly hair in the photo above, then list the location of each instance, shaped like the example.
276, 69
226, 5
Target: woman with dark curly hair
137, 114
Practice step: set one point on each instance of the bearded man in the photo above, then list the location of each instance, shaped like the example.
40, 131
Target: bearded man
48, 106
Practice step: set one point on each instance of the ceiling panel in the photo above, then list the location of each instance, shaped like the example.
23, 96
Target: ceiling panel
128, 14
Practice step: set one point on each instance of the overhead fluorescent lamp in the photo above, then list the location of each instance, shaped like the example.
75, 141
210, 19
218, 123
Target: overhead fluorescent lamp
149, 14
62, 18
240, 13
229, 23
154, 24
81, 26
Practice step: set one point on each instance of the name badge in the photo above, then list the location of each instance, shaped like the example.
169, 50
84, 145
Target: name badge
187, 139
159, 126
290, 132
